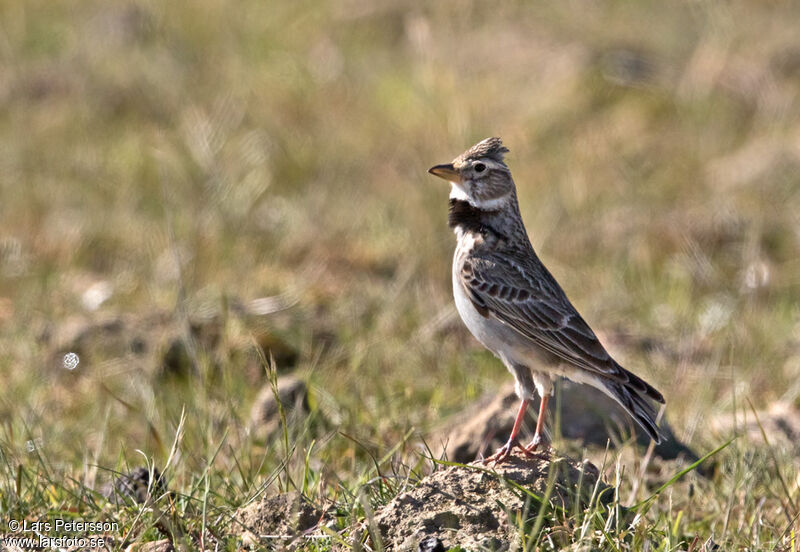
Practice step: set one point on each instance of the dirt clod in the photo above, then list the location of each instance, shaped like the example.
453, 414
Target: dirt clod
475, 507
780, 423
265, 416
587, 415
134, 486
278, 520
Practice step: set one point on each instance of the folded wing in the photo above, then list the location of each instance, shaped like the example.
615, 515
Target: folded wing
527, 298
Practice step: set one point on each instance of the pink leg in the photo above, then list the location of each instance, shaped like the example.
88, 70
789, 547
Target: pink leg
504, 451
537, 437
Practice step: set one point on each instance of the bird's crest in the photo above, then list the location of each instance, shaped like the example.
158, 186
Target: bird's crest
492, 148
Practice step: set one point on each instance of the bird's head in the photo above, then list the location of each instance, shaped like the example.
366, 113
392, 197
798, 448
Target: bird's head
479, 175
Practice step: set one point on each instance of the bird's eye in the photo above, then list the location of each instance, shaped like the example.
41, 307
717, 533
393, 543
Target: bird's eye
479, 167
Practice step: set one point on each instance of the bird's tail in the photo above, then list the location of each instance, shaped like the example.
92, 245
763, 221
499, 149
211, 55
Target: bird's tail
632, 395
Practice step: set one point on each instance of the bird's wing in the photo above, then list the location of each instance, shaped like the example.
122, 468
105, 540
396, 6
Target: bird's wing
529, 300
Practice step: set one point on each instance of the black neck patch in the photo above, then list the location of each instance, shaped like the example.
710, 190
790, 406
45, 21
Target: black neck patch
469, 218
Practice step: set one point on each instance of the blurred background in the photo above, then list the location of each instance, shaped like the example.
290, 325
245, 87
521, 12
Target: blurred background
186, 186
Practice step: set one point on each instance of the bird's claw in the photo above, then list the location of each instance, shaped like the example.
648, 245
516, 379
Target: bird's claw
504, 452
534, 445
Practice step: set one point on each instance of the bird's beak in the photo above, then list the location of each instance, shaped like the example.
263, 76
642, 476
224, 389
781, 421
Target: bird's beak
446, 171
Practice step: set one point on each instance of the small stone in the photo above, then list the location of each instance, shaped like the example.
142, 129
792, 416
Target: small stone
71, 361
265, 415
133, 486
431, 544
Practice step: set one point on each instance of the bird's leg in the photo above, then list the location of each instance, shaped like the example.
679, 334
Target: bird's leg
504, 451
537, 437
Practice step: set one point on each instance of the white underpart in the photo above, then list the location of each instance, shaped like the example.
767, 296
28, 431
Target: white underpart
466, 239
457, 192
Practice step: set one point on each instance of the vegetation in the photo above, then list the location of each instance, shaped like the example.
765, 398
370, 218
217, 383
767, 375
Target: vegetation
164, 163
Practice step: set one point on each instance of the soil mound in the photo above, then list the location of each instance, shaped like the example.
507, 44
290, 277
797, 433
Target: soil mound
479, 508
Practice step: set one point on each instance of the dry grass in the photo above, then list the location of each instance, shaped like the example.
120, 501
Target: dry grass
186, 158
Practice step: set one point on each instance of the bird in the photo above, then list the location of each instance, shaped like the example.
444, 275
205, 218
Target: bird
515, 307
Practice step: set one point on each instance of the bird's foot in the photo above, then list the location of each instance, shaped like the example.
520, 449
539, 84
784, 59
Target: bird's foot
534, 445
504, 452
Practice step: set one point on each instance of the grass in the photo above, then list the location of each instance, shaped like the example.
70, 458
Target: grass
186, 160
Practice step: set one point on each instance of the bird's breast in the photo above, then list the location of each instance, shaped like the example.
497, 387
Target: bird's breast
487, 330
505, 342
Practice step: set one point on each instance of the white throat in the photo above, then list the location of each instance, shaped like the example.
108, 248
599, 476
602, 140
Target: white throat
457, 192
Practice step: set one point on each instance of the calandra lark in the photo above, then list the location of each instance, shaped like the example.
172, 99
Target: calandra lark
513, 305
